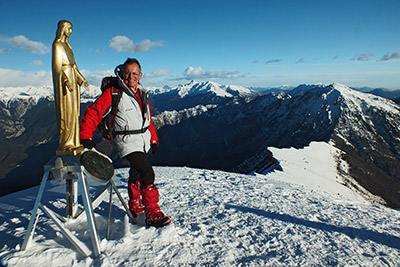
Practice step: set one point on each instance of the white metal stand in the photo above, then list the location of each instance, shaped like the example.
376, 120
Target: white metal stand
73, 173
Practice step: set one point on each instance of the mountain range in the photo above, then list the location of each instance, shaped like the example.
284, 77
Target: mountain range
226, 127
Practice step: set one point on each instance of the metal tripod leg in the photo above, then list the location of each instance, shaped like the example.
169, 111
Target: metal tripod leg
71, 169
109, 212
98, 199
122, 201
89, 213
79, 245
32, 222
75, 170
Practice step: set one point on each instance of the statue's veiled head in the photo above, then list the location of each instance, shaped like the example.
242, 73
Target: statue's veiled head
64, 28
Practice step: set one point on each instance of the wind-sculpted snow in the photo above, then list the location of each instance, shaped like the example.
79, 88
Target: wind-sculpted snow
218, 219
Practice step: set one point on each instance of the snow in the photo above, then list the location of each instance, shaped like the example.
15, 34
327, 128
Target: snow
193, 88
314, 167
35, 93
174, 117
197, 88
297, 217
360, 99
25, 92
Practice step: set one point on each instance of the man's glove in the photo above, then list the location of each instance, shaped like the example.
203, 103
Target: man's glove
154, 148
88, 143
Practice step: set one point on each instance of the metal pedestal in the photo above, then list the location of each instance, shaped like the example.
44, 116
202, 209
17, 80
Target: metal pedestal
73, 173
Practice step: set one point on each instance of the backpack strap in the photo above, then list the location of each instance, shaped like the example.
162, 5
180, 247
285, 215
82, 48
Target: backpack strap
128, 132
144, 97
108, 125
116, 95
108, 117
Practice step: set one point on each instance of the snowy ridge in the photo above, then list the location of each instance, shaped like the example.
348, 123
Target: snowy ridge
193, 88
174, 117
360, 110
360, 100
218, 219
25, 92
7, 94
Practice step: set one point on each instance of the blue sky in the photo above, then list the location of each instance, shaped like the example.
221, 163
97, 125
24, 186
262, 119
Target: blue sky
250, 43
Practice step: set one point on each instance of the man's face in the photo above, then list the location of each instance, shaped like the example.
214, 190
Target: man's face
132, 75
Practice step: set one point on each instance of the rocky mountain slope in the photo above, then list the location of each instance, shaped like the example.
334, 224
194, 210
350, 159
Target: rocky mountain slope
236, 136
207, 125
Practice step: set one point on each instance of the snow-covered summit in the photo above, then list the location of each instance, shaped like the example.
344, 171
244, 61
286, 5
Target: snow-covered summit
341, 98
194, 88
361, 100
349, 94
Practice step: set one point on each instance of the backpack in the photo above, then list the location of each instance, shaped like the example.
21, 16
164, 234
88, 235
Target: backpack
106, 124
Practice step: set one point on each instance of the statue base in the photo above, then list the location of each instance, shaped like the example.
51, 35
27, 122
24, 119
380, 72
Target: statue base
70, 170
70, 152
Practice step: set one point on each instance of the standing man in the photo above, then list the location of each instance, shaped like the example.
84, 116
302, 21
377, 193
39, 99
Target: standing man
133, 136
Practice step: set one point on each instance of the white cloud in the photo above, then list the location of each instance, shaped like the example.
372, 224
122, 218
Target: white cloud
14, 78
95, 77
37, 63
4, 50
146, 45
199, 72
157, 73
273, 61
122, 43
389, 56
365, 57
22, 42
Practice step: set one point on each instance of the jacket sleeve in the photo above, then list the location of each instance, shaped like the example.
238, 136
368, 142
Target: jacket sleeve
152, 129
94, 114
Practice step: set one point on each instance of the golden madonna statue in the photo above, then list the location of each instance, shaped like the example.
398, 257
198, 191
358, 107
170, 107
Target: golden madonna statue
67, 80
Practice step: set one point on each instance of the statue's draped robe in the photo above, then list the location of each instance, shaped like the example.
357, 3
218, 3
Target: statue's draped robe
66, 80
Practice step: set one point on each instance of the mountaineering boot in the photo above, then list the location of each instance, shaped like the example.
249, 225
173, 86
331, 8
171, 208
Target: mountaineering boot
135, 202
154, 216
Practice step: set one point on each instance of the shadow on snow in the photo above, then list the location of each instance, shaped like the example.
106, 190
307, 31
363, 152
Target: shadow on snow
363, 234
